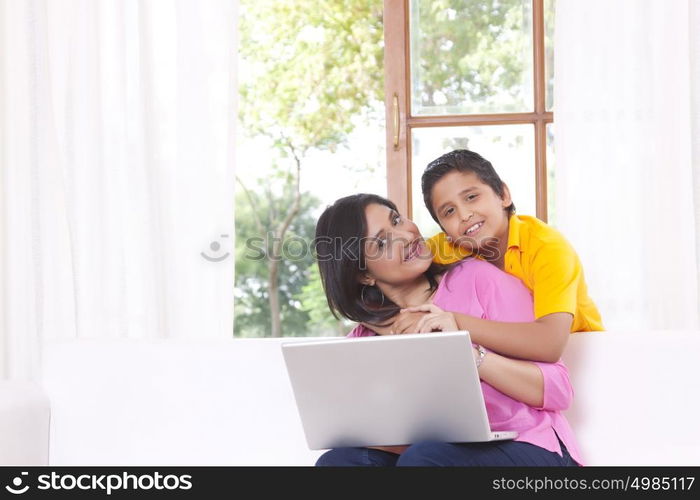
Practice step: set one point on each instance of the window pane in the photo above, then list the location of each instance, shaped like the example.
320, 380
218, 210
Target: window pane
310, 101
551, 191
471, 56
549, 6
509, 148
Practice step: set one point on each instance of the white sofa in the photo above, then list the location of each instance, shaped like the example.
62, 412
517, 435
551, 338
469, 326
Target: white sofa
229, 402
24, 424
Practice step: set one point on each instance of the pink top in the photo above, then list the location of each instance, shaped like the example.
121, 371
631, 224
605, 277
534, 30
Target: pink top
480, 289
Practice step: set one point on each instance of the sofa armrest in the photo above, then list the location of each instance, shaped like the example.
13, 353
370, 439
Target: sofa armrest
24, 424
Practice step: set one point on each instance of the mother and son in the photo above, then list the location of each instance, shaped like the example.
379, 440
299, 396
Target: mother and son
512, 281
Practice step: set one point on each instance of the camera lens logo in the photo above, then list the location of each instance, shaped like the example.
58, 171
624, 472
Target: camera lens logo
16, 488
215, 246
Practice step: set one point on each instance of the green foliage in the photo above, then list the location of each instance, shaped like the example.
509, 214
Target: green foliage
302, 312
253, 250
310, 68
314, 302
470, 52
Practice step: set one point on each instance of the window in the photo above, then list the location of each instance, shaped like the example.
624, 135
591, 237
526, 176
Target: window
311, 121
473, 74
458, 73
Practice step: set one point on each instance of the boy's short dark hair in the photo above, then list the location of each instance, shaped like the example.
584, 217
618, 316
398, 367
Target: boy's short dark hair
460, 160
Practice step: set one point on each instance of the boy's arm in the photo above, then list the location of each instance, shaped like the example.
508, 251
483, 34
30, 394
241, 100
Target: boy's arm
556, 279
541, 340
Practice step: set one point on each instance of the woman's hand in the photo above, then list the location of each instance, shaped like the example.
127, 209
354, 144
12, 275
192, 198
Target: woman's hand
435, 319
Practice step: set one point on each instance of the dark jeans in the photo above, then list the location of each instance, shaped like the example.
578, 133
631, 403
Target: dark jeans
430, 453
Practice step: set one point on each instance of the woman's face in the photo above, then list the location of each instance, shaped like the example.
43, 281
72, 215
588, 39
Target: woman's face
395, 252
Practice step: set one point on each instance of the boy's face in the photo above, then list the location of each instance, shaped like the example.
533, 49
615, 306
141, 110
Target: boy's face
469, 211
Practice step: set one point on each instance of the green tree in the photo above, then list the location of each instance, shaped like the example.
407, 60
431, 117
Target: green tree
310, 69
255, 220
467, 52
314, 303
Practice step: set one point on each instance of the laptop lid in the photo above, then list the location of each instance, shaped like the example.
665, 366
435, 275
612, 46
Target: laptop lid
387, 390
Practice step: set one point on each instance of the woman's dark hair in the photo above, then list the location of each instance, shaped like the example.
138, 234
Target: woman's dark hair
341, 232
461, 160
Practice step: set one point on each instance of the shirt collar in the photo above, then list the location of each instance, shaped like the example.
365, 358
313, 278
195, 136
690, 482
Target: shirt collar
514, 229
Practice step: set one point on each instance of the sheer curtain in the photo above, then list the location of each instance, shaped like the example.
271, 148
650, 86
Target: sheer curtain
627, 132
116, 181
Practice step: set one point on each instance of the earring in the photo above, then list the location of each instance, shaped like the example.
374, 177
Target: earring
449, 239
362, 296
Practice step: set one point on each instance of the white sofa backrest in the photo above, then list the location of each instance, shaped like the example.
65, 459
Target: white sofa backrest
636, 396
172, 402
229, 402
24, 424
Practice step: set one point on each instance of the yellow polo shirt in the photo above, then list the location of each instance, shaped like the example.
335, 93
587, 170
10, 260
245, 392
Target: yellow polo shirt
541, 257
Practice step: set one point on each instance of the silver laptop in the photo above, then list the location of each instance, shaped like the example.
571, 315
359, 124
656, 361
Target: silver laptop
388, 390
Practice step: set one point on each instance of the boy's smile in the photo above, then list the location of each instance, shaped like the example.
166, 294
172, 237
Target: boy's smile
470, 212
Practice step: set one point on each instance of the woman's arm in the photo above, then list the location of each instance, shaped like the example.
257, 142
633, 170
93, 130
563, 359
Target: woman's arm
558, 391
521, 380
543, 386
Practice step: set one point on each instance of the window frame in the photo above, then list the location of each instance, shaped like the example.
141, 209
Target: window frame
400, 122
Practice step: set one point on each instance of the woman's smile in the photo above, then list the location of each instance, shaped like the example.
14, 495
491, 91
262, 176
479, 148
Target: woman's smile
414, 250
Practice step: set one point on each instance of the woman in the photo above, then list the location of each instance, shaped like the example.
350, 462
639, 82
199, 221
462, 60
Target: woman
374, 263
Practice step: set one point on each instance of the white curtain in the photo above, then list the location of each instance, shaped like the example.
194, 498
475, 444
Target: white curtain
116, 181
627, 142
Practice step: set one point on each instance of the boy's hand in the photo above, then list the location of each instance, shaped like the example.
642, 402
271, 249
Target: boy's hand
406, 322
434, 319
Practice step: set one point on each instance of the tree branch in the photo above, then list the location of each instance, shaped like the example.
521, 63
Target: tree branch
253, 205
296, 205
